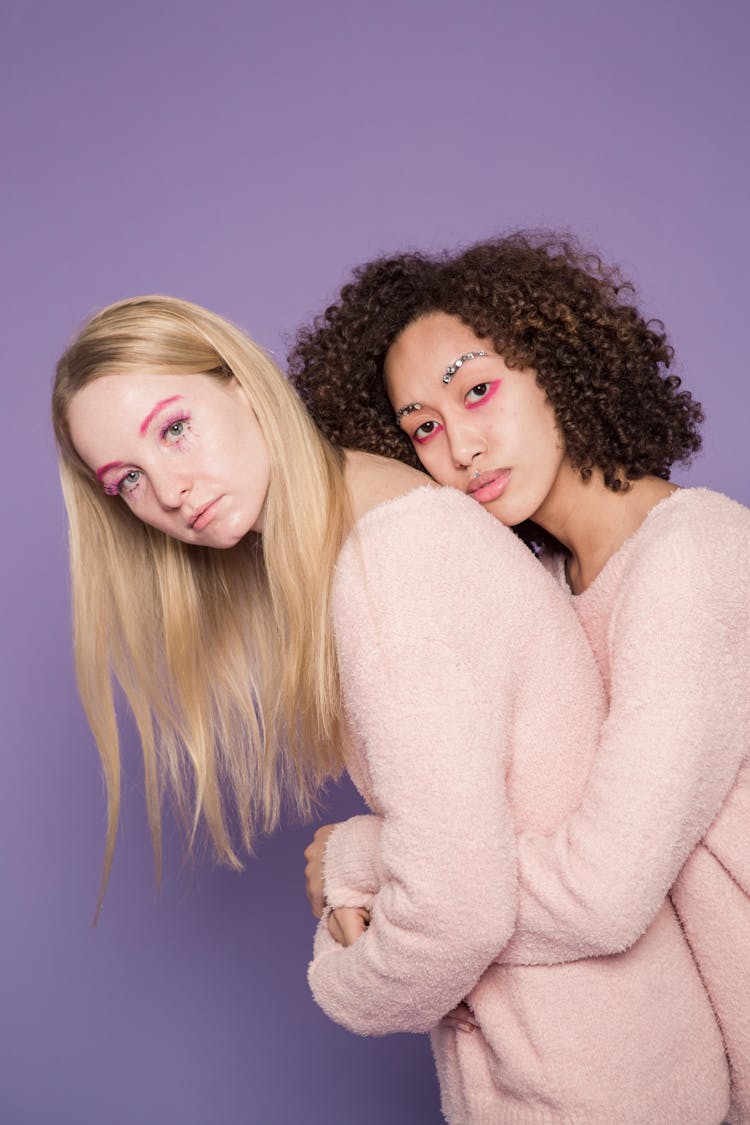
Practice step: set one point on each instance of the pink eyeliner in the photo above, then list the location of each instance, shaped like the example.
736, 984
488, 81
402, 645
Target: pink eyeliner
429, 437
493, 388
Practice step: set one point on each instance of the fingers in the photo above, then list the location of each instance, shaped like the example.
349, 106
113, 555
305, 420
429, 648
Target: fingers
458, 1025
314, 889
354, 924
348, 923
334, 928
314, 853
461, 1018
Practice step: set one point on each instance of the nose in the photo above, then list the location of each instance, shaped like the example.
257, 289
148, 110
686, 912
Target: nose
171, 487
465, 443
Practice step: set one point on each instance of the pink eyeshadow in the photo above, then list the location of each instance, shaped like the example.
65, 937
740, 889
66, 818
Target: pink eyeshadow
493, 386
106, 468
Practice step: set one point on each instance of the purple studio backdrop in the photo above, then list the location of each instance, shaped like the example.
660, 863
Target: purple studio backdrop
246, 156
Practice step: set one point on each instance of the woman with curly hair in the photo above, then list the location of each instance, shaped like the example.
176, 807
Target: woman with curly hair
521, 373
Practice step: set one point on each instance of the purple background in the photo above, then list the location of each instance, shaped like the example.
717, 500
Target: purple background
246, 156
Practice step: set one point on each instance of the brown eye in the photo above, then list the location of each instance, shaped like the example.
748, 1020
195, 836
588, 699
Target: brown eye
426, 430
478, 392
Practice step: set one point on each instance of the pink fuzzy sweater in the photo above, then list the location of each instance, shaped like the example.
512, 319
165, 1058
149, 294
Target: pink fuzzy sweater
669, 621
474, 710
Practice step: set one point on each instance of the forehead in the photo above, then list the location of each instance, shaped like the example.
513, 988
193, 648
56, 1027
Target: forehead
123, 390
107, 415
113, 401
421, 354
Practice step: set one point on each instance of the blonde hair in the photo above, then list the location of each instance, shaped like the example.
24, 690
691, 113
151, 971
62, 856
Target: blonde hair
226, 657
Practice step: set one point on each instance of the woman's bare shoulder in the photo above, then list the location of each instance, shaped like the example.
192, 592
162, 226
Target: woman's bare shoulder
373, 480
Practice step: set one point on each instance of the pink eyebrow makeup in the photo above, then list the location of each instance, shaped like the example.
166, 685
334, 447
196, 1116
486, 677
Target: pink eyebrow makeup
106, 468
152, 414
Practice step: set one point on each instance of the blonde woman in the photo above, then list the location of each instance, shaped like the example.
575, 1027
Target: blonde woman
276, 609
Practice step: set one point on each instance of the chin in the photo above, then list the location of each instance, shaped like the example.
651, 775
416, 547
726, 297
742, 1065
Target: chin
508, 514
225, 531
226, 541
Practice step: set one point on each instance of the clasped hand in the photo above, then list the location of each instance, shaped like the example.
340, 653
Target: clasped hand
347, 923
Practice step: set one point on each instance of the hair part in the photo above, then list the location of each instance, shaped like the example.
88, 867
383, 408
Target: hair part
226, 657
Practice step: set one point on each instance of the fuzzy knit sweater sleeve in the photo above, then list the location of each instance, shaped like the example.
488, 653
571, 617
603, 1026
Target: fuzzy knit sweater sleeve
678, 644
678, 655
422, 704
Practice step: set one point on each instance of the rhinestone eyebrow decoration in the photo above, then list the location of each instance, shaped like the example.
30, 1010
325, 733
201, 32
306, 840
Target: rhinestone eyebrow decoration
406, 410
458, 364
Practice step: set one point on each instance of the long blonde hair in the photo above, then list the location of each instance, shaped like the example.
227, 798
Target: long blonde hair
226, 657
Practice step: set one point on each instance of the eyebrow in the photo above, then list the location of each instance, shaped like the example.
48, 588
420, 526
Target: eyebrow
450, 371
152, 413
106, 468
458, 363
405, 410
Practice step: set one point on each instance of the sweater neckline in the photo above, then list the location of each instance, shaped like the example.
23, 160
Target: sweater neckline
616, 561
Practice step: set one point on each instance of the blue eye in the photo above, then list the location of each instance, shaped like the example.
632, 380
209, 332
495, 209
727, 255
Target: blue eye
128, 483
175, 430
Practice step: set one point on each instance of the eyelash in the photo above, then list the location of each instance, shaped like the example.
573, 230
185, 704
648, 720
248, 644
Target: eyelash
163, 433
116, 488
427, 437
492, 386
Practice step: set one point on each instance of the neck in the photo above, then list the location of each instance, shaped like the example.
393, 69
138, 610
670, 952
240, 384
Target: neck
593, 522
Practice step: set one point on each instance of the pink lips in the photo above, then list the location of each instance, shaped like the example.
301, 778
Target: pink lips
204, 515
489, 486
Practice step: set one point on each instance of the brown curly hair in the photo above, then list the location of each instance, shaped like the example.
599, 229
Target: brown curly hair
546, 304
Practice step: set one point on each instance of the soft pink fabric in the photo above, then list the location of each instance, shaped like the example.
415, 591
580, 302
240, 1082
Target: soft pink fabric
474, 709
669, 621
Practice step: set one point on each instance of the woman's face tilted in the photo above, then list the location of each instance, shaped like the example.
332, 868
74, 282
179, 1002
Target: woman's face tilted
184, 452
489, 430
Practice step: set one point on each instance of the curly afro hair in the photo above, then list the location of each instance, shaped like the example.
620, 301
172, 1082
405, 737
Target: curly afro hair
547, 305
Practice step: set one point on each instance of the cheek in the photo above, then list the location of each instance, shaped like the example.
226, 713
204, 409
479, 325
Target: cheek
535, 423
435, 464
551, 435
423, 457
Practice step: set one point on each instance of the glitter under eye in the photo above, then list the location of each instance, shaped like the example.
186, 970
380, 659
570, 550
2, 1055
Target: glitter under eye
118, 487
